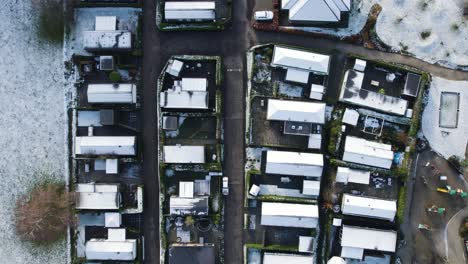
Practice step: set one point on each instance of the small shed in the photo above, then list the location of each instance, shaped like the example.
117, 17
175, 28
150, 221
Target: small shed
297, 76
112, 166
317, 91
315, 141
170, 122
351, 117
311, 188
186, 189
112, 219
105, 23
106, 63
183, 154
360, 65
306, 244
175, 67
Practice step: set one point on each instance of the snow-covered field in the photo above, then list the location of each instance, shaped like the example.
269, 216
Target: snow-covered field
446, 141
401, 23
32, 124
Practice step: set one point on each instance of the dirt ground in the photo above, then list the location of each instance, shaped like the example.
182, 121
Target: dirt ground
429, 246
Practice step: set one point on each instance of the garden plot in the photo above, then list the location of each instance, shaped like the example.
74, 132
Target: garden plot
32, 124
446, 141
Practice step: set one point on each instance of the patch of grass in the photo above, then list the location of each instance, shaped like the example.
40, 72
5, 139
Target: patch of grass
401, 205
425, 34
115, 77
52, 19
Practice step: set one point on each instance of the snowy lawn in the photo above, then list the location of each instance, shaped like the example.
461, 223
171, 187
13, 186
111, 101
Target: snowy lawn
32, 124
446, 141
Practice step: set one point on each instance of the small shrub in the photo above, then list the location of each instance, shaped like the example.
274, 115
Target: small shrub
43, 215
455, 27
382, 91
425, 34
424, 5
399, 20
114, 76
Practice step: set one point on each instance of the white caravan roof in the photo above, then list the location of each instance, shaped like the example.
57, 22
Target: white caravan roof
294, 163
299, 59
368, 207
286, 110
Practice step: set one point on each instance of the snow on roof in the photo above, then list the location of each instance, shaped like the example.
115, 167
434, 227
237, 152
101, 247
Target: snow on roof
352, 253
367, 238
315, 11
311, 187
189, 14
184, 154
97, 196
315, 141
89, 118
113, 93
102, 249
194, 84
336, 260
352, 93
289, 215
285, 110
280, 258
316, 91
306, 244
105, 145
112, 219
368, 207
361, 151
299, 59
189, 5
186, 189
176, 98
189, 206
346, 175
350, 117
112, 166
175, 67
360, 65
298, 76
107, 40
105, 23
294, 163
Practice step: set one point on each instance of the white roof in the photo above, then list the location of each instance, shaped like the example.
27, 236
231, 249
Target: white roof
337, 221
305, 244
280, 258
298, 76
186, 189
189, 14
123, 93
286, 110
315, 141
336, 260
361, 151
316, 91
289, 215
113, 40
352, 253
101, 249
106, 23
194, 84
184, 154
105, 145
299, 59
311, 188
189, 5
315, 10
360, 65
346, 175
294, 163
368, 207
350, 117
89, 118
97, 196
175, 67
352, 93
112, 166
367, 238
176, 98
116, 234
112, 219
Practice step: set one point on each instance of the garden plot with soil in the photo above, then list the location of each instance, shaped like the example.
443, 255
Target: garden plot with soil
33, 124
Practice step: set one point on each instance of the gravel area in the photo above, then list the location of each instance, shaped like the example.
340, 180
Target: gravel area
32, 124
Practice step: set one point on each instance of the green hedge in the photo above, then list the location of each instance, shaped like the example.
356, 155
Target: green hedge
401, 205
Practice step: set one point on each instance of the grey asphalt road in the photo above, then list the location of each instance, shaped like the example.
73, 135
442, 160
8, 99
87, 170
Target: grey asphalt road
232, 45
455, 247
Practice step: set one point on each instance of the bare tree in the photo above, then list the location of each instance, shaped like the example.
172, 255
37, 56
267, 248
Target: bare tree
43, 215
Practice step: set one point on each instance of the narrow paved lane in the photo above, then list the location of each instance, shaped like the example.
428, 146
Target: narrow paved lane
232, 45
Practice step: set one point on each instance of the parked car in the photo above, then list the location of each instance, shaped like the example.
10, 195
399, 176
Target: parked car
225, 186
263, 15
